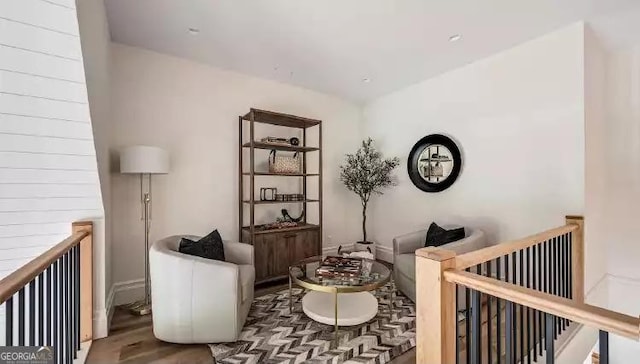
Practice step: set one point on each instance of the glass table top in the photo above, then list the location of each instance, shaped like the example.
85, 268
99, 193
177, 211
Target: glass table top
371, 275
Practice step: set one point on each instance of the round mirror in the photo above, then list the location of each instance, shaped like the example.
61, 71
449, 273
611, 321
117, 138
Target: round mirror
434, 163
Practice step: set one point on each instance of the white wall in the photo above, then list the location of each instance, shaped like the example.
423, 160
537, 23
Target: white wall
48, 172
622, 163
596, 189
192, 110
96, 47
518, 118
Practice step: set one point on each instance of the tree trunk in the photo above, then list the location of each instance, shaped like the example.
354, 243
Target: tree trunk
364, 222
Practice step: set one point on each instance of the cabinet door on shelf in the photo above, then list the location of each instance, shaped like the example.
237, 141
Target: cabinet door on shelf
262, 256
280, 262
304, 245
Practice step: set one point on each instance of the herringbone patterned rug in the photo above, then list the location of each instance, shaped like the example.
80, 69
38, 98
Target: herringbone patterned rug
272, 335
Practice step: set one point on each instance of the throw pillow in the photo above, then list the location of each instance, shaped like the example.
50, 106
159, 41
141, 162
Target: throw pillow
437, 236
210, 247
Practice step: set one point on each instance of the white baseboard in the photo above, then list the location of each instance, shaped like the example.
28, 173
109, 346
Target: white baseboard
127, 292
110, 305
102, 317
384, 253
83, 353
100, 324
334, 249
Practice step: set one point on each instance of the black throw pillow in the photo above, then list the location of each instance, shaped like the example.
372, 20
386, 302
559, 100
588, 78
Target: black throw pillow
210, 247
437, 236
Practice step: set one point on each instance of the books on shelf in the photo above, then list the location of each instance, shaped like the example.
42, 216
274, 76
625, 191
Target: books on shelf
339, 267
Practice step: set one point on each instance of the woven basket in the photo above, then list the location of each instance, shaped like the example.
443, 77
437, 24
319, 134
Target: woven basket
284, 164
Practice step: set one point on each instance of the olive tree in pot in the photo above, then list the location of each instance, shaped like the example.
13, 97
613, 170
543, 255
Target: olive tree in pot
367, 173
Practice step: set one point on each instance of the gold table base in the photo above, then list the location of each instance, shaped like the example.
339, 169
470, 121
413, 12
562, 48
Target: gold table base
335, 312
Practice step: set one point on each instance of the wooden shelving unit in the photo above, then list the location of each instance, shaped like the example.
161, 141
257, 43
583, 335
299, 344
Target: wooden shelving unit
281, 174
289, 148
278, 202
276, 249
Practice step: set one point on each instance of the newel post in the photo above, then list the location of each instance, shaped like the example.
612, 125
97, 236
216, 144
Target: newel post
435, 307
86, 279
577, 257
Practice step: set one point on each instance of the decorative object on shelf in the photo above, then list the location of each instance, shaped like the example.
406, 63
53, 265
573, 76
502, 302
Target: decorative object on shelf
289, 197
287, 217
284, 164
282, 141
279, 225
144, 161
367, 173
268, 194
434, 163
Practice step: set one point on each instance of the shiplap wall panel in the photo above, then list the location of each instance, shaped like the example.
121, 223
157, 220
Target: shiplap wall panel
9, 265
50, 176
46, 161
39, 40
44, 217
36, 126
23, 252
13, 231
30, 240
25, 190
41, 107
46, 204
48, 171
44, 144
41, 14
71, 4
23, 84
38, 64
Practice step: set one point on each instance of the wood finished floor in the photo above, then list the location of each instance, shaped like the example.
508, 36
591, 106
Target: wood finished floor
131, 340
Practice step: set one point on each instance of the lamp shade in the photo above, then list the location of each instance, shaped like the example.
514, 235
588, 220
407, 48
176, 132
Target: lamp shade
144, 159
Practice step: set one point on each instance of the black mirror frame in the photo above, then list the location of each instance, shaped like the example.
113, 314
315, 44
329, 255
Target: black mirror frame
414, 155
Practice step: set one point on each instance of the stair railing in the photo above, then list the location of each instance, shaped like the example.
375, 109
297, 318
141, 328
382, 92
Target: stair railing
508, 303
49, 301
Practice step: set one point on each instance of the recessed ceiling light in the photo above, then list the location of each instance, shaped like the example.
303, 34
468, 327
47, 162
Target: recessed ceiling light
455, 38
366, 80
194, 31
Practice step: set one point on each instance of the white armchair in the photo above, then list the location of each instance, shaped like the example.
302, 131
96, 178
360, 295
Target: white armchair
199, 300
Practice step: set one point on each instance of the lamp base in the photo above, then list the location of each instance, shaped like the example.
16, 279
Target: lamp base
139, 308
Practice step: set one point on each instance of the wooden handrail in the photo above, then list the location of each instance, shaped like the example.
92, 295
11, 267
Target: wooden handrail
480, 256
598, 317
12, 283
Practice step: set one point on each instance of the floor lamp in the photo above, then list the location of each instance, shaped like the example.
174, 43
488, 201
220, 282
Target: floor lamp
144, 161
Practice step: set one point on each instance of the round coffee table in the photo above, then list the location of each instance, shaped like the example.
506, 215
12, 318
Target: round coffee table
338, 301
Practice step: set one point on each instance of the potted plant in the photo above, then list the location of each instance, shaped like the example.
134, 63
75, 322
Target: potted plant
367, 173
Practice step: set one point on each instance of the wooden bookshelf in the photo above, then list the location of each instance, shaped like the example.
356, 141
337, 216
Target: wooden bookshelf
289, 148
278, 202
276, 249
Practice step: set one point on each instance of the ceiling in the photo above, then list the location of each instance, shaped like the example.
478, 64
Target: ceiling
333, 45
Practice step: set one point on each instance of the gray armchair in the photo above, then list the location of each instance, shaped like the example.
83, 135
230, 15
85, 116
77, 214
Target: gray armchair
404, 259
